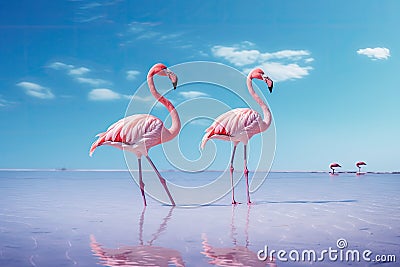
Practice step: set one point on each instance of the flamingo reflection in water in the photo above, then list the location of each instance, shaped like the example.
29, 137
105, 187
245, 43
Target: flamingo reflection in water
237, 255
141, 255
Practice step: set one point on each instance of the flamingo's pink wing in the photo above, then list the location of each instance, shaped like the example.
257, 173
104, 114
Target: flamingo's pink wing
232, 123
135, 129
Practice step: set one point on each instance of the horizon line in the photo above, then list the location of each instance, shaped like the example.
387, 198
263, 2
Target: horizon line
172, 170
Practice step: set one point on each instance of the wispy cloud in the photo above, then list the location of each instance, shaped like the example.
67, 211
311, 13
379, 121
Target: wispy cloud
147, 35
140, 27
71, 69
281, 65
104, 94
60, 66
4, 102
92, 11
192, 94
132, 74
375, 53
90, 5
171, 36
144, 31
36, 90
78, 73
92, 81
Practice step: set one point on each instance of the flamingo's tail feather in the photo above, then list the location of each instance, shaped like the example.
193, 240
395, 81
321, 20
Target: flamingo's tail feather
98, 142
203, 142
206, 137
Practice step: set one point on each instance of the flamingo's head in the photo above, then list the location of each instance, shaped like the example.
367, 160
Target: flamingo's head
162, 70
259, 74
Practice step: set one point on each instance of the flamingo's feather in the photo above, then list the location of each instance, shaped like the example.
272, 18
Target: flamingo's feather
237, 125
137, 132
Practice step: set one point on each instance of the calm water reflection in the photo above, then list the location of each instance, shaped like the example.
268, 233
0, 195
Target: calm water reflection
237, 255
144, 254
47, 219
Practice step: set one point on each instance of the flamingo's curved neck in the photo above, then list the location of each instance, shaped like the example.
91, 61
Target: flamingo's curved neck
266, 112
176, 122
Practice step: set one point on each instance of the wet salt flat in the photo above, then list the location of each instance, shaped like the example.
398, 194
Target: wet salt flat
95, 218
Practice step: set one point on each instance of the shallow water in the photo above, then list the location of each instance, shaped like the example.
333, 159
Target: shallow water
87, 218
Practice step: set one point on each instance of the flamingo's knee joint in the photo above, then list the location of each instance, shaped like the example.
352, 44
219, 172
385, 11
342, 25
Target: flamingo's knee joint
162, 180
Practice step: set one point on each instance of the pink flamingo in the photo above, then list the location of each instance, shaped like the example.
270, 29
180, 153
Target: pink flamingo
138, 133
334, 165
239, 125
359, 164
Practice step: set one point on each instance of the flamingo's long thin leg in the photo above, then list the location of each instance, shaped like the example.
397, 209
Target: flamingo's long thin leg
141, 222
231, 170
246, 174
162, 180
141, 184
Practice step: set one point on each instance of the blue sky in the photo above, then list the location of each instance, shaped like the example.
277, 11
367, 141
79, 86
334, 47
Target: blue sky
68, 69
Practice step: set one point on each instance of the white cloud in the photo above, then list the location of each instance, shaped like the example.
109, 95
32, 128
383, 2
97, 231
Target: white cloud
92, 81
132, 74
79, 71
72, 70
60, 66
280, 66
192, 94
236, 56
36, 90
247, 43
104, 94
375, 53
242, 57
281, 72
289, 54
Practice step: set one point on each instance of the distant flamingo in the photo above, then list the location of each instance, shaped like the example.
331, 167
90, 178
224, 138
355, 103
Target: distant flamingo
359, 164
334, 165
138, 133
239, 125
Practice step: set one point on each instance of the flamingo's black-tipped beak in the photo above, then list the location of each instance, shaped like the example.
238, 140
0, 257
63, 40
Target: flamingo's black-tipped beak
269, 82
172, 76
